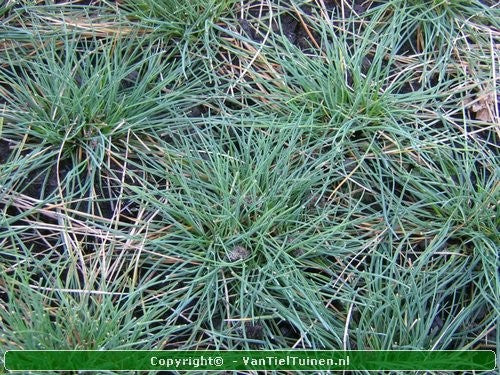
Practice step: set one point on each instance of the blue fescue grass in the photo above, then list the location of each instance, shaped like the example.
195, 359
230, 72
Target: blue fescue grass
244, 191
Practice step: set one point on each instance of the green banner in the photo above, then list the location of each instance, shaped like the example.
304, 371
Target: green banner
47, 360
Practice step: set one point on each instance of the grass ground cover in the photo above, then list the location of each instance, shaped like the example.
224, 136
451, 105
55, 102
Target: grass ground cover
249, 174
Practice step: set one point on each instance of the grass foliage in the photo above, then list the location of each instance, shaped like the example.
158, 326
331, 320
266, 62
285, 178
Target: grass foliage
236, 175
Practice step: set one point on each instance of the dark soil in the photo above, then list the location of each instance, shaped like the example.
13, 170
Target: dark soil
5, 150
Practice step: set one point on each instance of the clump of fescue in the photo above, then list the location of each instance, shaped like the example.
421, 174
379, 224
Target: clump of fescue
90, 93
